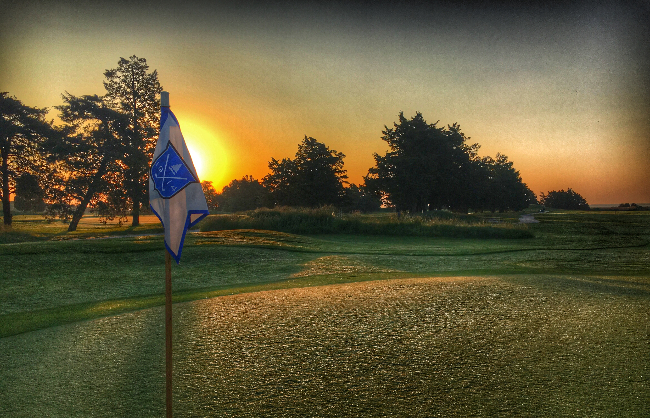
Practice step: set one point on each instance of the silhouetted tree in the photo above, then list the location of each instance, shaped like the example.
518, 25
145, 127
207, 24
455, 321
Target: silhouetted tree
564, 200
211, 195
426, 166
314, 178
113, 203
89, 158
504, 187
531, 197
361, 199
22, 128
131, 89
244, 194
281, 182
29, 194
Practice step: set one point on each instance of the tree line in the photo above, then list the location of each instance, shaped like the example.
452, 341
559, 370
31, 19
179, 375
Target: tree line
98, 159
426, 168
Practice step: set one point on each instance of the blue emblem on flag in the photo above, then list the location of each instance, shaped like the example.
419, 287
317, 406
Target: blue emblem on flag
170, 173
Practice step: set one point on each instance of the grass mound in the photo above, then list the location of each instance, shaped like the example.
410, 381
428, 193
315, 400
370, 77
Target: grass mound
325, 221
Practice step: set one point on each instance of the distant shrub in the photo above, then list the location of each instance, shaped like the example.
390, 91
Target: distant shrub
325, 221
564, 200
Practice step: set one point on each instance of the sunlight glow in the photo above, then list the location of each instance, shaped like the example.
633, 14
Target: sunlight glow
208, 152
198, 161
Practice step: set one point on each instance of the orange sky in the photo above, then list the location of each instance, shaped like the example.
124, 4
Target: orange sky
563, 92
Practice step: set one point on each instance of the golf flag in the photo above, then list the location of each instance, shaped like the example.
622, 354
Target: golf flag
175, 193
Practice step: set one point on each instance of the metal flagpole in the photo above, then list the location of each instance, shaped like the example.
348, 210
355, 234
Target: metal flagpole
168, 331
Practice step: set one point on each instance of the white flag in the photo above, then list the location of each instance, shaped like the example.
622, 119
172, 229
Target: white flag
175, 193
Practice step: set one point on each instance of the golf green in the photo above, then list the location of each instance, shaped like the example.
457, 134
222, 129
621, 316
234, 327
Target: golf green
515, 345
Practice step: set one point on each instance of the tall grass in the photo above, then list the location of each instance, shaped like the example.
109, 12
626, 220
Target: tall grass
325, 221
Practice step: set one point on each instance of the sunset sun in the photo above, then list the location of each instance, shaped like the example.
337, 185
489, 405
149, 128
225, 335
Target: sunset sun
208, 153
198, 161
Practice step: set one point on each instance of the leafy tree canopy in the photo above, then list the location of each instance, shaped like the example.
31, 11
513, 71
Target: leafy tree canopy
497, 186
429, 167
29, 194
211, 195
361, 199
89, 159
133, 91
314, 178
244, 194
22, 129
425, 165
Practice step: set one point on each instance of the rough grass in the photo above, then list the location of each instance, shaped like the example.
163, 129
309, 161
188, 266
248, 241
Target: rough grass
324, 221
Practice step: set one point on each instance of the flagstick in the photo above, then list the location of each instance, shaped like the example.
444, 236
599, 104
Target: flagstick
168, 330
161, 203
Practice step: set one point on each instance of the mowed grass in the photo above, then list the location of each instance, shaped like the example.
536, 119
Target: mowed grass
524, 345
555, 325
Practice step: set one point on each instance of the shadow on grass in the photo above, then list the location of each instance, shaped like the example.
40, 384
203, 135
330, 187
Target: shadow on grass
21, 322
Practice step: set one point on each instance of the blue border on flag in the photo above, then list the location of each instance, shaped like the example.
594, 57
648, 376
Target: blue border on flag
165, 112
188, 225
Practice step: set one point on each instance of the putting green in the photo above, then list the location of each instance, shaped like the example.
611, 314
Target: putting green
512, 345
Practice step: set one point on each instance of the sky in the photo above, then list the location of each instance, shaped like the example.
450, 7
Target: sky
562, 89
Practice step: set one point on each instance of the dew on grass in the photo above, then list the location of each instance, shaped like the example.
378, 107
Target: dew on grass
450, 346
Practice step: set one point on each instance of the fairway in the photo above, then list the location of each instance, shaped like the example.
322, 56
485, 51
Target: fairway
334, 325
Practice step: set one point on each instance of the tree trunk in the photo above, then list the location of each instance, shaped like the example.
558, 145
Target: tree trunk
136, 206
6, 205
136, 180
81, 209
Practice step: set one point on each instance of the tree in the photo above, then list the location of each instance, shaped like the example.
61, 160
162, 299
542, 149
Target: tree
89, 157
314, 178
112, 203
504, 188
136, 92
282, 182
244, 194
361, 199
29, 194
211, 195
531, 197
22, 128
564, 200
426, 166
